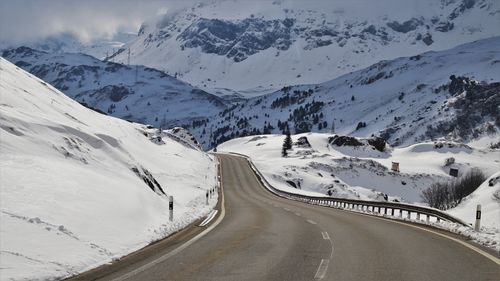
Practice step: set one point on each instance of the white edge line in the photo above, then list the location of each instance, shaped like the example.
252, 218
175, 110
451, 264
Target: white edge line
209, 218
181, 247
323, 266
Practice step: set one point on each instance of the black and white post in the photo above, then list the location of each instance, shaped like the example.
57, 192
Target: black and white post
207, 197
171, 208
477, 227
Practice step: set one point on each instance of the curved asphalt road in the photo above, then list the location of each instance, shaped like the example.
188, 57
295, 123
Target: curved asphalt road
264, 237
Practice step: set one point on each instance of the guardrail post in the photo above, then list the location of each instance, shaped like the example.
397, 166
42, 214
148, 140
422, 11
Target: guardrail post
385, 210
392, 212
437, 219
428, 219
418, 216
477, 226
171, 208
400, 213
408, 214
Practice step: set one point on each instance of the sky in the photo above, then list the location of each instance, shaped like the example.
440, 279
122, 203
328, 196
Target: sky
23, 21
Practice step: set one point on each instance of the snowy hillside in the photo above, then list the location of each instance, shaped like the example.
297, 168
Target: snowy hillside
91, 186
488, 195
319, 164
134, 93
257, 47
453, 94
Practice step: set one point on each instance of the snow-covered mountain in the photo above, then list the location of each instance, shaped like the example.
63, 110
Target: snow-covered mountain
453, 94
256, 47
79, 189
136, 93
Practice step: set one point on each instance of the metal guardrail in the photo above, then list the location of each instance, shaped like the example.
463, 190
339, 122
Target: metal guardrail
372, 207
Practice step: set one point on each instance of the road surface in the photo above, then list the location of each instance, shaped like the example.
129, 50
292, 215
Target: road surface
264, 237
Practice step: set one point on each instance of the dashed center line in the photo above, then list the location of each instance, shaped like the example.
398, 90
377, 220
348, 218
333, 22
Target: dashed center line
311, 221
325, 235
323, 266
297, 214
286, 209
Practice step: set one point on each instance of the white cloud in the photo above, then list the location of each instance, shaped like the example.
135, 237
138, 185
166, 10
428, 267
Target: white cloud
24, 21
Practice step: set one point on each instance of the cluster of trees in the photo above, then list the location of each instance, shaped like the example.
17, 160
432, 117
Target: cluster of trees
446, 195
298, 97
309, 109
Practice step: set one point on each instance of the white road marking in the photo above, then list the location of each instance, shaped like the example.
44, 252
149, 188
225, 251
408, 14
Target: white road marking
311, 221
323, 266
297, 214
286, 209
325, 235
209, 218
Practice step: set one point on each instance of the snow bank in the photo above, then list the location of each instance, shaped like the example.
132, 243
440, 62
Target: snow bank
69, 199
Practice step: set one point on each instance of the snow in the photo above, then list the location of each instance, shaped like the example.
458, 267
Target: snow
361, 172
69, 198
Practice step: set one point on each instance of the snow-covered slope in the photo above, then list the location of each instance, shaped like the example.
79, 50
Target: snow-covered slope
134, 93
488, 195
262, 46
78, 188
453, 93
358, 171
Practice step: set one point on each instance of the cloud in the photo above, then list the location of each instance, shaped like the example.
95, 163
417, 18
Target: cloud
23, 21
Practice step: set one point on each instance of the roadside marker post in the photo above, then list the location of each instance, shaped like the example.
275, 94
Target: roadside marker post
207, 197
171, 207
477, 227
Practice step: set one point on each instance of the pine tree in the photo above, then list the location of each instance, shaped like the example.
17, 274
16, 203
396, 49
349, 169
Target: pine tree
288, 141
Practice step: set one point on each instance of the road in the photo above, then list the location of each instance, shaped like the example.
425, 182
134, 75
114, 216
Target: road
264, 237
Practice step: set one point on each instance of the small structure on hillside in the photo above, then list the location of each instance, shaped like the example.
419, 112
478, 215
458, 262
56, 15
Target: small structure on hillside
395, 166
454, 172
